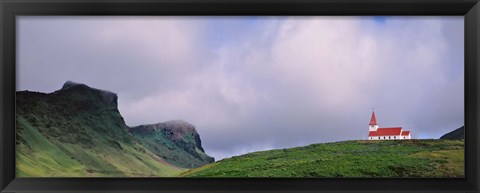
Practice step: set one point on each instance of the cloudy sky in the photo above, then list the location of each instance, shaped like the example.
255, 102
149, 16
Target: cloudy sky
257, 83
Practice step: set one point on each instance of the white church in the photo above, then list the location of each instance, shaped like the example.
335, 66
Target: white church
387, 133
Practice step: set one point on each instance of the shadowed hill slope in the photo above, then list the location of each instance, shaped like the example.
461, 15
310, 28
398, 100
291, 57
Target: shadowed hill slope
456, 134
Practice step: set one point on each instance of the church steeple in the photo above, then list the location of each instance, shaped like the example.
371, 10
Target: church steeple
373, 120
373, 126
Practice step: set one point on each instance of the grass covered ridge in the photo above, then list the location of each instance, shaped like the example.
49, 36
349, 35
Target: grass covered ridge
79, 133
399, 158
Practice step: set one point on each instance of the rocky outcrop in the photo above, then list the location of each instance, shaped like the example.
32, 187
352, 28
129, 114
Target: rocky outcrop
182, 134
109, 98
177, 131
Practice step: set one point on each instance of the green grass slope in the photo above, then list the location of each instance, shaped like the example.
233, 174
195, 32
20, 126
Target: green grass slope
401, 158
78, 132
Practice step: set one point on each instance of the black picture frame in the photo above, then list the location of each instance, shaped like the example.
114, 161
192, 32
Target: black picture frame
9, 9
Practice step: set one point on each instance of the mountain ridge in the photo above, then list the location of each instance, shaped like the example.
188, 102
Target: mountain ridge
85, 135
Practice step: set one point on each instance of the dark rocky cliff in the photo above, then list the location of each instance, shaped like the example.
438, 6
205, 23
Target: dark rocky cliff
175, 134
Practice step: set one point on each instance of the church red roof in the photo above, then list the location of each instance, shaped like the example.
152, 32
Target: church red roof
386, 131
373, 120
406, 133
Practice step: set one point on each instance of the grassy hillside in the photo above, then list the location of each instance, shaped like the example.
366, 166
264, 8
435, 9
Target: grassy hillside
78, 131
401, 158
42, 155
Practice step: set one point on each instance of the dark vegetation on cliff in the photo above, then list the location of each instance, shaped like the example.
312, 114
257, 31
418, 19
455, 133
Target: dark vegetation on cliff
78, 131
456, 134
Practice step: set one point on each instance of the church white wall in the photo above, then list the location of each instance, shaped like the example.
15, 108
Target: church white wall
389, 137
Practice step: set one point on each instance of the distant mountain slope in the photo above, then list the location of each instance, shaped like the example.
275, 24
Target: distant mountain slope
78, 131
395, 158
456, 134
176, 141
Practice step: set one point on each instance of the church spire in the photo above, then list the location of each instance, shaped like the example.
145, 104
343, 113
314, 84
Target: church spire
373, 120
373, 126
